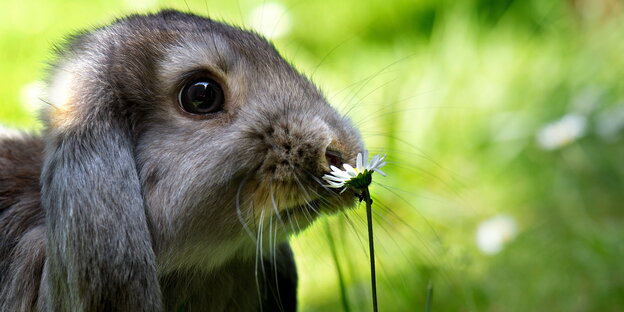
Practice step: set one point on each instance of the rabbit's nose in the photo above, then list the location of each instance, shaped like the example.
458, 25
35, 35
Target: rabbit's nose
333, 158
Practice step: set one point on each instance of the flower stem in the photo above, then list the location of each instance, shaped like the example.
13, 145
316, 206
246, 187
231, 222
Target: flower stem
371, 244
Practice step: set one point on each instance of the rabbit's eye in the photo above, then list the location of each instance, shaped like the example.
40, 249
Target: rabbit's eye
202, 96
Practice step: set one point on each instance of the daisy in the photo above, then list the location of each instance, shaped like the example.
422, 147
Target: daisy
359, 177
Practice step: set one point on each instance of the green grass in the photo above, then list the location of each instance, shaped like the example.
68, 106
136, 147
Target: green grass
455, 92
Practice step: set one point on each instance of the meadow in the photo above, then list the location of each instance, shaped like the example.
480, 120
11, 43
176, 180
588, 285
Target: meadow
503, 122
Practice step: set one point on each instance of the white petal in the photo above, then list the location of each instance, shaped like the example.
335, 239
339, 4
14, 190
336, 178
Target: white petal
358, 162
380, 172
350, 170
330, 178
335, 185
380, 165
365, 162
334, 182
379, 162
334, 178
373, 162
341, 174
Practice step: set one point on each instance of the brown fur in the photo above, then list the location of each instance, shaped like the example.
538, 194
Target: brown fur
22, 245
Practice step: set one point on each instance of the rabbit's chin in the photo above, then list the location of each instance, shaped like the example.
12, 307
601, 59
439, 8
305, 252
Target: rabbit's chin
298, 216
257, 237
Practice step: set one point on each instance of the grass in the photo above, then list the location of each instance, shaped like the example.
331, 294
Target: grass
455, 92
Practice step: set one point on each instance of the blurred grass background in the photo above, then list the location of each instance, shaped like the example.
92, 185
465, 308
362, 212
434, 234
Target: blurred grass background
503, 122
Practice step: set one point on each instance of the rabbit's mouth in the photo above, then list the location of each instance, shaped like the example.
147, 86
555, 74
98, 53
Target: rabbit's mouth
298, 216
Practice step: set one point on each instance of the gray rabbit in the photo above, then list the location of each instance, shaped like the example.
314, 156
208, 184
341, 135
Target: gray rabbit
178, 155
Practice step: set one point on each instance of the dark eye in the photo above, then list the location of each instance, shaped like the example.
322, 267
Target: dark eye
203, 96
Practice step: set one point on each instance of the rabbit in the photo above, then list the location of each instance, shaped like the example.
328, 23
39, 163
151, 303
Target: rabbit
178, 156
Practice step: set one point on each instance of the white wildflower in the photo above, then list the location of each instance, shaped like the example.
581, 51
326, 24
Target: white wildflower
358, 177
562, 132
494, 233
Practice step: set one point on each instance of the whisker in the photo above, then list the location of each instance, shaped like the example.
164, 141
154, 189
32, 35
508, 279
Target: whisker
430, 254
259, 258
274, 263
355, 230
239, 213
272, 195
307, 201
429, 225
363, 82
290, 221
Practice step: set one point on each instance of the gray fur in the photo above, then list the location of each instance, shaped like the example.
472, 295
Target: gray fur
142, 207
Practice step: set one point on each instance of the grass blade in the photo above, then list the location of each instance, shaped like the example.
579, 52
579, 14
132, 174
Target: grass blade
429, 297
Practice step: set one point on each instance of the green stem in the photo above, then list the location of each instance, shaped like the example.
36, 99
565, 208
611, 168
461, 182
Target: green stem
429, 297
371, 244
341, 281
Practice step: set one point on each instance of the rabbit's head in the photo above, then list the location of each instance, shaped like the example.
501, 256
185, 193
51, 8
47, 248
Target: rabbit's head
176, 141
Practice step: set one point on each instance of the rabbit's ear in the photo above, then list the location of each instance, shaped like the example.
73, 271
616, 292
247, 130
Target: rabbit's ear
99, 250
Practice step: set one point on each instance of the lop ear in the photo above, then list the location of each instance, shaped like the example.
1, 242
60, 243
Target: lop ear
99, 255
